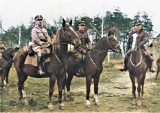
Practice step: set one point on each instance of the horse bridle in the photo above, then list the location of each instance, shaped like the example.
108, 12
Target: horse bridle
67, 37
112, 48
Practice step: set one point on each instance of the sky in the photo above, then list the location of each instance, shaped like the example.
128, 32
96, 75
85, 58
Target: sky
16, 12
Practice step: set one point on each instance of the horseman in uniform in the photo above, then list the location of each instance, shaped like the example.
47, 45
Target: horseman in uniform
39, 38
85, 42
83, 35
140, 38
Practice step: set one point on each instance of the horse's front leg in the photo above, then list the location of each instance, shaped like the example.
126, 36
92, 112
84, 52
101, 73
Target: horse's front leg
133, 85
96, 80
52, 81
88, 85
60, 82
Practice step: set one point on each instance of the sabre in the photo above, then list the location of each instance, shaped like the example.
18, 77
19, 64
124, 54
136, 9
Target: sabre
95, 30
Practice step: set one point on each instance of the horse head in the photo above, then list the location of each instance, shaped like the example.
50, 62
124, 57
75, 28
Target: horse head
67, 35
113, 43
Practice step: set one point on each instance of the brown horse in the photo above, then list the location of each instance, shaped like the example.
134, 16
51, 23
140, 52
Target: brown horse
91, 65
6, 63
137, 67
158, 67
54, 69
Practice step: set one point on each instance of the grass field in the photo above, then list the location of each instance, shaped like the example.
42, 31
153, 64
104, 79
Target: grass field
114, 93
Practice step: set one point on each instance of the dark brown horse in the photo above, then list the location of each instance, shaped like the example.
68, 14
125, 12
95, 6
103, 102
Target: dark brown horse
158, 67
137, 67
54, 69
91, 65
6, 63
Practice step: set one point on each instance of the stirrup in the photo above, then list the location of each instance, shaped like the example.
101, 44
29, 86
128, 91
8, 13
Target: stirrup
40, 72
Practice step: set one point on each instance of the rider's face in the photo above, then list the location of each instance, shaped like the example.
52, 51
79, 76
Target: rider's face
81, 27
138, 27
39, 23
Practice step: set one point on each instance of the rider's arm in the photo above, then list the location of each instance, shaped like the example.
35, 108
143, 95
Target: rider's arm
88, 41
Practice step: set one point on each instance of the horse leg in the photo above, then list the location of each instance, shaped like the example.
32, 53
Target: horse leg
68, 84
157, 73
140, 82
96, 80
133, 86
88, 85
2, 78
21, 80
6, 73
60, 82
52, 81
143, 84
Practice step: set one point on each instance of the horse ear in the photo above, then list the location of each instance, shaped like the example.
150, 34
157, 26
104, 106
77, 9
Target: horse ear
70, 22
64, 22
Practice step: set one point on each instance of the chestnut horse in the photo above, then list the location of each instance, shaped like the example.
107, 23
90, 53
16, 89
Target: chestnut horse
54, 69
91, 65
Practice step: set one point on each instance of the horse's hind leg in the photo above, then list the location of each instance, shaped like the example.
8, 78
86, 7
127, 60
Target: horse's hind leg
68, 84
157, 72
88, 85
6, 73
133, 86
1, 78
21, 79
52, 81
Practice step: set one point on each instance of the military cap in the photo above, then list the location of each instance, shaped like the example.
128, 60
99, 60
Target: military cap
38, 17
137, 22
81, 23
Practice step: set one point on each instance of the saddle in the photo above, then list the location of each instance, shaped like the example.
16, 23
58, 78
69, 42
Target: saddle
32, 57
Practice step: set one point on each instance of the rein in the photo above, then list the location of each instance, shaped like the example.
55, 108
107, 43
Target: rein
112, 48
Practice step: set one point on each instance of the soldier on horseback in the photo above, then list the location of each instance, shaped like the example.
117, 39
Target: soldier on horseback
139, 38
85, 43
83, 35
39, 38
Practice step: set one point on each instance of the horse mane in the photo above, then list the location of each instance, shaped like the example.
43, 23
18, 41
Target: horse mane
56, 41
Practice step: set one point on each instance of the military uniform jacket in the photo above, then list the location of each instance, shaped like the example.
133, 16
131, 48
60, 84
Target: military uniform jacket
84, 37
38, 35
141, 39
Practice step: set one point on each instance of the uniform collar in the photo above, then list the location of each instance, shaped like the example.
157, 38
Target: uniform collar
81, 31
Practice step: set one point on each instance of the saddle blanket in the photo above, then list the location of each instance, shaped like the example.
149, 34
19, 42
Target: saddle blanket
31, 60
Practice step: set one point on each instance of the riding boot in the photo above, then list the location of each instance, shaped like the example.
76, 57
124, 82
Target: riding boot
40, 65
125, 64
149, 60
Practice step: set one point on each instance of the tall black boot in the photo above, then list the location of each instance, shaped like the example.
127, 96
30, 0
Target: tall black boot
40, 65
149, 63
125, 64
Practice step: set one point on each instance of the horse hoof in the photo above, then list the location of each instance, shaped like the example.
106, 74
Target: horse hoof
88, 104
50, 106
97, 103
61, 106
